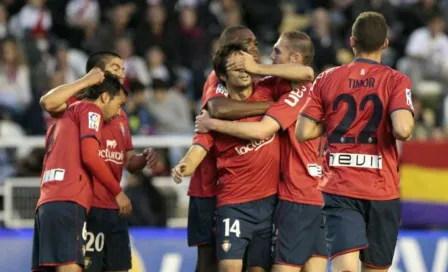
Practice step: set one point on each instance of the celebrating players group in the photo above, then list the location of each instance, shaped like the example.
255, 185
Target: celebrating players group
285, 174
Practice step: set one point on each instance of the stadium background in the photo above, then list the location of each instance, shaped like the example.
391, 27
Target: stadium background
167, 47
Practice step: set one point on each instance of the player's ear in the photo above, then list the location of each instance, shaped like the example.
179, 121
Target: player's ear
352, 42
296, 58
386, 43
105, 97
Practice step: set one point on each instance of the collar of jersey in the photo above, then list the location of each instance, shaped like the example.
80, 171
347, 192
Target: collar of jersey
366, 61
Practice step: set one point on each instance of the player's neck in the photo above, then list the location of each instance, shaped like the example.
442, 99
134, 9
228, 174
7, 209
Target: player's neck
238, 93
375, 56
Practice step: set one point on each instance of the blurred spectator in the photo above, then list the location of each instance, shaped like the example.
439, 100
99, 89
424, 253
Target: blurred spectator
8, 129
193, 40
82, 13
155, 30
134, 66
71, 62
141, 121
324, 43
15, 89
4, 27
427, 51
149, 207
155, 60
35, 19
171, 111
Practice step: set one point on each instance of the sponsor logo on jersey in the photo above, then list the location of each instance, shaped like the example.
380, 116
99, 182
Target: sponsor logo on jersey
94, 121
109, 155
254, 145
295, 95
56, 174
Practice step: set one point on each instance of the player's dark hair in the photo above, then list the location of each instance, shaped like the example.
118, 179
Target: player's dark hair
220, 57
300, 42
369, 31
227, 34
100, 59
111, 85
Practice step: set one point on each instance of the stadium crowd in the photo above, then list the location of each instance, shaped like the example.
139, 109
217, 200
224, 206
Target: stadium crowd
167, 47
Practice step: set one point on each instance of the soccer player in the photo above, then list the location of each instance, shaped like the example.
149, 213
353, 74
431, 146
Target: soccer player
365, 108
248, 172
202, 189
72, 146
300, 240
108, 245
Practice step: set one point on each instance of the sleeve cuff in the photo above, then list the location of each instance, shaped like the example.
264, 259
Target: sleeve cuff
309, 117
205, 148
390, 112
276, 120
91, 136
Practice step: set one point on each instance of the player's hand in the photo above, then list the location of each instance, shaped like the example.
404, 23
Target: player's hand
94, 77
203, 122
242, 61
124, 204
151, 158
178, 172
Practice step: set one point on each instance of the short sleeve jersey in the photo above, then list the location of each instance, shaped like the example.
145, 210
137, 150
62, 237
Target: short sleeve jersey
247, 170
355, 101
116, 141
63, 176
300, 167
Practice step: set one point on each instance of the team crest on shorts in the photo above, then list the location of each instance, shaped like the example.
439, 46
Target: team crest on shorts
87, 262
226, 245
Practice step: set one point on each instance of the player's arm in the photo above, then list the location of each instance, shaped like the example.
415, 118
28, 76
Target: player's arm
289, 71
55, 101
308, 129
188, 164
137, 161
244, 130
401, 109
225, 108
403, 124
310, 123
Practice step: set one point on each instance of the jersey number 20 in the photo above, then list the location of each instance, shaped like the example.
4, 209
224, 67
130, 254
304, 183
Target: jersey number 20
364, 137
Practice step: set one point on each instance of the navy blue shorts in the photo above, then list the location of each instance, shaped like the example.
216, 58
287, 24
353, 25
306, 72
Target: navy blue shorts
58, 236
299, 233
201, 221
246, 226
365, 225
108, 246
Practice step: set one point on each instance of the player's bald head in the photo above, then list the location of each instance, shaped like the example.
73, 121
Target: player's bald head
369, 32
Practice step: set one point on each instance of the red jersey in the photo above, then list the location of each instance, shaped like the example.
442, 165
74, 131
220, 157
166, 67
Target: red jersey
247, 170
116, 141
63, 176
203, 180
300, 167
356, 100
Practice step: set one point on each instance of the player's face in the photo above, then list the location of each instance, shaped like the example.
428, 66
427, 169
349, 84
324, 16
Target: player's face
281, 53
238, 79
116, 67
112, 106
249, 41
